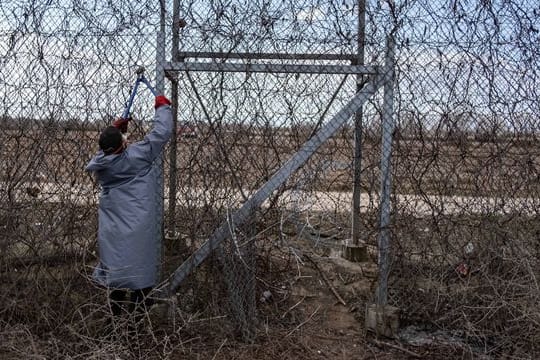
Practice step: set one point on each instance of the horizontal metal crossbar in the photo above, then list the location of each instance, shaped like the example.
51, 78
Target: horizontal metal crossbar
275, 56
270, 68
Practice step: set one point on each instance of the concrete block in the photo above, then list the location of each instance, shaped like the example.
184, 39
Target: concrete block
382, 319
164, 310
355, 253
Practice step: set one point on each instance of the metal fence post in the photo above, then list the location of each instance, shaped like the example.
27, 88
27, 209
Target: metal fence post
171, 231
160, 88
160, 50
386, 157
358, 129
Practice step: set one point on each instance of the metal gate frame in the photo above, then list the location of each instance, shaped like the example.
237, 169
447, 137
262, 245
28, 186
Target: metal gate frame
378, 76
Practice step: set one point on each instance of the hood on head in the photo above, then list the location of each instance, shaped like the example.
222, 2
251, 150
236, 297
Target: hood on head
100, 162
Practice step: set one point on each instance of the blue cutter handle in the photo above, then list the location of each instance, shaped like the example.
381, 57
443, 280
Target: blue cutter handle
149, 86
127, 109
140, 79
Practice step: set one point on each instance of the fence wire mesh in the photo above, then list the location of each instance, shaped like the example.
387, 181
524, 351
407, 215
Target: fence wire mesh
464, 166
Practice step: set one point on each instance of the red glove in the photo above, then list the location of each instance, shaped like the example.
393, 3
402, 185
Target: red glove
121, 124
161, 100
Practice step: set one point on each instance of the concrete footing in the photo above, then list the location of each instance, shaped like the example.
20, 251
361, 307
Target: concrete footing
164, 310
355, 253
382, 320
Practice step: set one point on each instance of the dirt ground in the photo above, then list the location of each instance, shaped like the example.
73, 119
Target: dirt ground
317, 311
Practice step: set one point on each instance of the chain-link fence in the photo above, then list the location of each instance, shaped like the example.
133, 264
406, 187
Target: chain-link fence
256, 81
66, 72
466, 172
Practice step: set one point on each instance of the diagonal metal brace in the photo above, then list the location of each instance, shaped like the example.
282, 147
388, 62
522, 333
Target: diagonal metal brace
254, 202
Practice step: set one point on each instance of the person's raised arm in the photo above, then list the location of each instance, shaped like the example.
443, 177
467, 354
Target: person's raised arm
153, 143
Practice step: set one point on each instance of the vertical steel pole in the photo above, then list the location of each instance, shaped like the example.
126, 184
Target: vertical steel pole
173, 171
160, 88
160, 51
386, 162
358, 129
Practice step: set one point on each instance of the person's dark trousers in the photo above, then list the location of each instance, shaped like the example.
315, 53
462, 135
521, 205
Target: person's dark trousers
116, 298
139, 301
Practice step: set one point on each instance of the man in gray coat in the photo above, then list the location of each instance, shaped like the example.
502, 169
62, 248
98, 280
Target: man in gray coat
129, 218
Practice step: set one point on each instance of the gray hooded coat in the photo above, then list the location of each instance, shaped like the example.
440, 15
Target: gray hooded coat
130, 211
